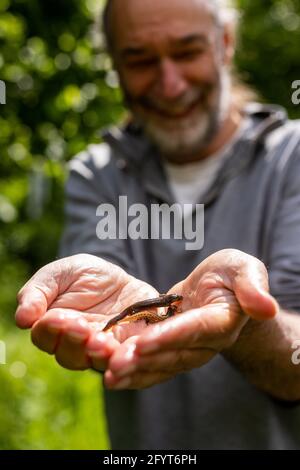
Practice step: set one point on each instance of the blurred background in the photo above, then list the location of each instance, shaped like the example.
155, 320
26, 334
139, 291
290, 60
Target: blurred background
60, 91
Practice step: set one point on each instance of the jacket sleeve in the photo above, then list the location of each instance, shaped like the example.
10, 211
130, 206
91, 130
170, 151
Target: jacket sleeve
284, 249
92, 182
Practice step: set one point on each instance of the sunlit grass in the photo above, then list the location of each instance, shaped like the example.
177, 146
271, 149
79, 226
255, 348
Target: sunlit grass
44, 406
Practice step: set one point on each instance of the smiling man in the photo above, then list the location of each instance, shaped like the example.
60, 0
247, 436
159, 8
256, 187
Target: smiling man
174, 71
220, 374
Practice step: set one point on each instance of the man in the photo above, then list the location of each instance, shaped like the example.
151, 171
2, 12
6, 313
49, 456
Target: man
214, 376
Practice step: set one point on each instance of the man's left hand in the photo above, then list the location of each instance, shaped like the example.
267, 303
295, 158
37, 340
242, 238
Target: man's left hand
220, 296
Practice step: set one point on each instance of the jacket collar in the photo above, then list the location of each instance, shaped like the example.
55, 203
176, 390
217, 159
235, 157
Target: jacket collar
136, 152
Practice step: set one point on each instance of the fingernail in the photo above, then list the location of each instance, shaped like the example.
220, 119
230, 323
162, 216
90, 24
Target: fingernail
126, 370
100, 340
76, 336
122, 384
101, 337
98, 347
148, 348
97, 354
54, 327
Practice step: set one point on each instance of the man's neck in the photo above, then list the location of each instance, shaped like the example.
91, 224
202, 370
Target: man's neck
223, 136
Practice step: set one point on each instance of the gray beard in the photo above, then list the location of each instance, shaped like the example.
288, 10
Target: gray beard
187, 139
192, 134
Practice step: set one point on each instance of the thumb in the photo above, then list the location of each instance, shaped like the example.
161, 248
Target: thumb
37, 295
32, 305
251, 288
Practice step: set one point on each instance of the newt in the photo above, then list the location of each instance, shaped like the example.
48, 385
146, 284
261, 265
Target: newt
138, 310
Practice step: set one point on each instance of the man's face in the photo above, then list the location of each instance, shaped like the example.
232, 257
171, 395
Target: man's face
170, 58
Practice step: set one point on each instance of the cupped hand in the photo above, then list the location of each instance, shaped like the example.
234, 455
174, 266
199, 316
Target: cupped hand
220, 296
68, 302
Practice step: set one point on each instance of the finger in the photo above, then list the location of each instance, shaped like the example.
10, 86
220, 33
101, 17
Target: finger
46, 331
63, 333
70, 351
123, 356
137, 382
213, 326
99, 348
174, 361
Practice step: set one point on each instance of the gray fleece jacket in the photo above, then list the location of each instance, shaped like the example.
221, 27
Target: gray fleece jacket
254, 206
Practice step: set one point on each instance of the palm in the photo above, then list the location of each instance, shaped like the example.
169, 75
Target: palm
69, 301
211, 293
98, 290
108, 301
199, 291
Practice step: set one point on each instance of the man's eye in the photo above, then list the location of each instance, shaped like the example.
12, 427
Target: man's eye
142, 63
189, 55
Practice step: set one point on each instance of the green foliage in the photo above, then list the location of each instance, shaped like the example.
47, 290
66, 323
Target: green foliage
58, 97
60, 92
268, 49
43, 406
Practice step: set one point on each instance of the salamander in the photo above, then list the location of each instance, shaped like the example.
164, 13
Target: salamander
138, 310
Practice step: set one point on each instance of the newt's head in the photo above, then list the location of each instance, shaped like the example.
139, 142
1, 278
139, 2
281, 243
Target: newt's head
171, 298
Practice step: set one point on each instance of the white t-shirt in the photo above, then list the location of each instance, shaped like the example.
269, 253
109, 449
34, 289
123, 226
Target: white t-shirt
190, 181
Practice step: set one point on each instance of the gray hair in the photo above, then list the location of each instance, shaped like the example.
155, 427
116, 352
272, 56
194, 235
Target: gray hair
224, 11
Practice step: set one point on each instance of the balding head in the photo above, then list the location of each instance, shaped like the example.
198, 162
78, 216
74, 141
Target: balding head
223, 12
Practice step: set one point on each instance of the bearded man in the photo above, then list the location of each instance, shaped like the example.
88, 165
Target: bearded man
216, 376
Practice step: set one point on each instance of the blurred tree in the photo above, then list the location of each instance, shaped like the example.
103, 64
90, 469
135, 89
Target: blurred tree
268, 49
59, 94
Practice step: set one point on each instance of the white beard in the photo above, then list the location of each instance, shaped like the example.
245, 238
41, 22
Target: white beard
192, 133
188, 134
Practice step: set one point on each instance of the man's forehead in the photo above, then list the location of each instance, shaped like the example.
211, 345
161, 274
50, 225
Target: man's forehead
135, 19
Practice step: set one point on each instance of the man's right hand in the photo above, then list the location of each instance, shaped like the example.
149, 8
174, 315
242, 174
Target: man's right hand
68, 302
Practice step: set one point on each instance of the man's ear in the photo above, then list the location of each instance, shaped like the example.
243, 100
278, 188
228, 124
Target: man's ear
228, 43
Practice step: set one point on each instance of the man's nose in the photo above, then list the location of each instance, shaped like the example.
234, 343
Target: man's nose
171, 83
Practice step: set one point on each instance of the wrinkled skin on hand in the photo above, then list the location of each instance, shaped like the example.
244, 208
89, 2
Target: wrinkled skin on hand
67, 304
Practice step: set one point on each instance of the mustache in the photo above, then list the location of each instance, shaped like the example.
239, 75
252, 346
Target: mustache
175, 105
